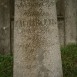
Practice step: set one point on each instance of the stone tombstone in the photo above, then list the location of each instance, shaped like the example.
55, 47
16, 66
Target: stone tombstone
70, 21
4, 26
36, 41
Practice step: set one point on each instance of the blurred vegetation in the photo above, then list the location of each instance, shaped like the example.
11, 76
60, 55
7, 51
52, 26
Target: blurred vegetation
69, 62
6, 66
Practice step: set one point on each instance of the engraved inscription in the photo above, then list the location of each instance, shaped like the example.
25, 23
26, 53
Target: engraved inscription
36, 22
34, 3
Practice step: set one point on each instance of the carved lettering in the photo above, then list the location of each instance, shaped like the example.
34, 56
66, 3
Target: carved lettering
34, 3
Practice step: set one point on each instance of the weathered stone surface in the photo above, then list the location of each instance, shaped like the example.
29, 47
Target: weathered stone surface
61, 25
70, 21
61, 28
4, 26
36, 41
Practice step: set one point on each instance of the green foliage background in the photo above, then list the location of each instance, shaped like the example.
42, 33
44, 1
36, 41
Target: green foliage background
6, 66
69, 60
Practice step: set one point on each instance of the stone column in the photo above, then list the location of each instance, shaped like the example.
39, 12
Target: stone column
4, 26
36, 41
70, 21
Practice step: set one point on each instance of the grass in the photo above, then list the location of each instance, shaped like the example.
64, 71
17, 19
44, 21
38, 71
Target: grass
69, 62
6, 66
